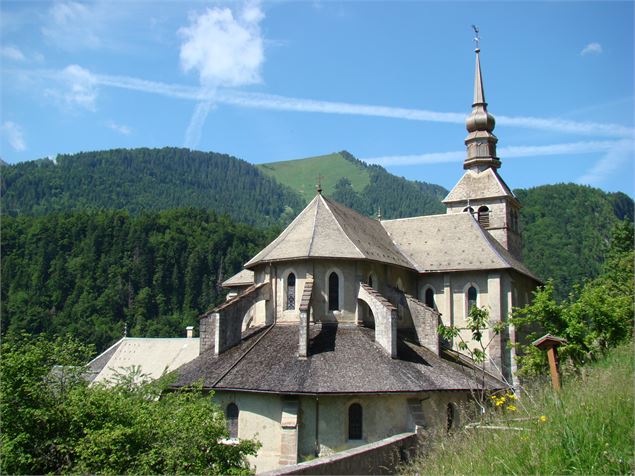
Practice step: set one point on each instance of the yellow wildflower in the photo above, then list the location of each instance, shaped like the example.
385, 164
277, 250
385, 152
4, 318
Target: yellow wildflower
543, 418
511, 408
511, 396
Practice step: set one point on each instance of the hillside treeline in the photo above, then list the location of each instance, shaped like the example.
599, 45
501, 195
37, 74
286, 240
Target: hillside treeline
567, 231
147, 179
89, 274
395, 196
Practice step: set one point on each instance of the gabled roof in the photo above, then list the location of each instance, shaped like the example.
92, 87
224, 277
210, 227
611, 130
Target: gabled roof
326, 229
244, 277
478, 185
153, 356
342, 360
450, 242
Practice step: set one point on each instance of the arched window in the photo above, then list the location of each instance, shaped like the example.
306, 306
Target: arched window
450, 417
429, 298
355, 417
483, 216
472, 295
231, 414
370, 280
469, 210
290, 292
334, 292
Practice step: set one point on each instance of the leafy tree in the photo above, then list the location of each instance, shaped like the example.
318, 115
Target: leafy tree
596, 316
52, 421
482, 333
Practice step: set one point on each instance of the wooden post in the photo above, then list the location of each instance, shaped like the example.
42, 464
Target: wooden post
553, 367
550, 344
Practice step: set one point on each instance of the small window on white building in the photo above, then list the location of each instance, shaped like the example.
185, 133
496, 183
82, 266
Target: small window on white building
334, 292
483, 216
471, 299
290, 292
355, 420
231, 414
429, 298
451, 417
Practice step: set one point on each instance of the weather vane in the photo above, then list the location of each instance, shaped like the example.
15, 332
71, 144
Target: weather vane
476, 38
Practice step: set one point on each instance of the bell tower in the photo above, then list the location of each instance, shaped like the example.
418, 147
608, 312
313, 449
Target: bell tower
481, 191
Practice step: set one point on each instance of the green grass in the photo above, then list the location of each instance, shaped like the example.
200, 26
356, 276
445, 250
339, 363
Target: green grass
588, 430
301, 175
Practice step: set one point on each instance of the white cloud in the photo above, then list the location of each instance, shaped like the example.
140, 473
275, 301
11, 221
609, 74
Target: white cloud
591, 49
225, 49
73, 25
621, 152
80, 88
14, 135
585, 147
12, 53
120, 128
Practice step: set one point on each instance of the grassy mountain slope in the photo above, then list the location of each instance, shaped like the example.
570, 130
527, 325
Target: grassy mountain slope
147, 179
302, 175
363, 187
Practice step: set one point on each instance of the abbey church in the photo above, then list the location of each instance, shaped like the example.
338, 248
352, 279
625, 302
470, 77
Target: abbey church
329, 337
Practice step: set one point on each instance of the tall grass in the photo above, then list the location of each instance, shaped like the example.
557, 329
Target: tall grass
586, 429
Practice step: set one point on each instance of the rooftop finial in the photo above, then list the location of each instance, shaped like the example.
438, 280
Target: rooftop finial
318, 187
125, 329
477, 38
379, 213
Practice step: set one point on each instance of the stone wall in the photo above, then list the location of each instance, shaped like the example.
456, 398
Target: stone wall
381, 457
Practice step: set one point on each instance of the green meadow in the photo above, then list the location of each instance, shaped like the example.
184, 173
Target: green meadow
586, 428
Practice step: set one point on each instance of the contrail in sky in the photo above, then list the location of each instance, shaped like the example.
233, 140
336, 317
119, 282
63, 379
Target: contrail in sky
282, 103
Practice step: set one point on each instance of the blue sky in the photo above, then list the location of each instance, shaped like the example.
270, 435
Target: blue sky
391, 82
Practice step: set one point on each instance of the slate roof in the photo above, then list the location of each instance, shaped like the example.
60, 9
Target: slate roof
154, 355
476, 185
342, 360
450, 242
242, 278
326, 229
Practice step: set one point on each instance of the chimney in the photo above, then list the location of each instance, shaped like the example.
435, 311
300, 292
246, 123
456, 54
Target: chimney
189, 332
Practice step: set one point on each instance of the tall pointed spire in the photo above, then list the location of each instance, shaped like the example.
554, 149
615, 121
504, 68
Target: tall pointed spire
480, 142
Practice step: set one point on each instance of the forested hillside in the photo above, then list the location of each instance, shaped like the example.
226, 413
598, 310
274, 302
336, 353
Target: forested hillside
89, 273
363, 187
147, 179
91, 268
567, 229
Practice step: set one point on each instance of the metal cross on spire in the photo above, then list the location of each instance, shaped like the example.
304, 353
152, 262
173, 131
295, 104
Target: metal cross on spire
477, 38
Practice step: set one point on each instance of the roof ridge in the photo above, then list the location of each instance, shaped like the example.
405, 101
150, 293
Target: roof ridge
108, 349
485, 234
341, 227
502, 183
313, 230
279, 238
419, 217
